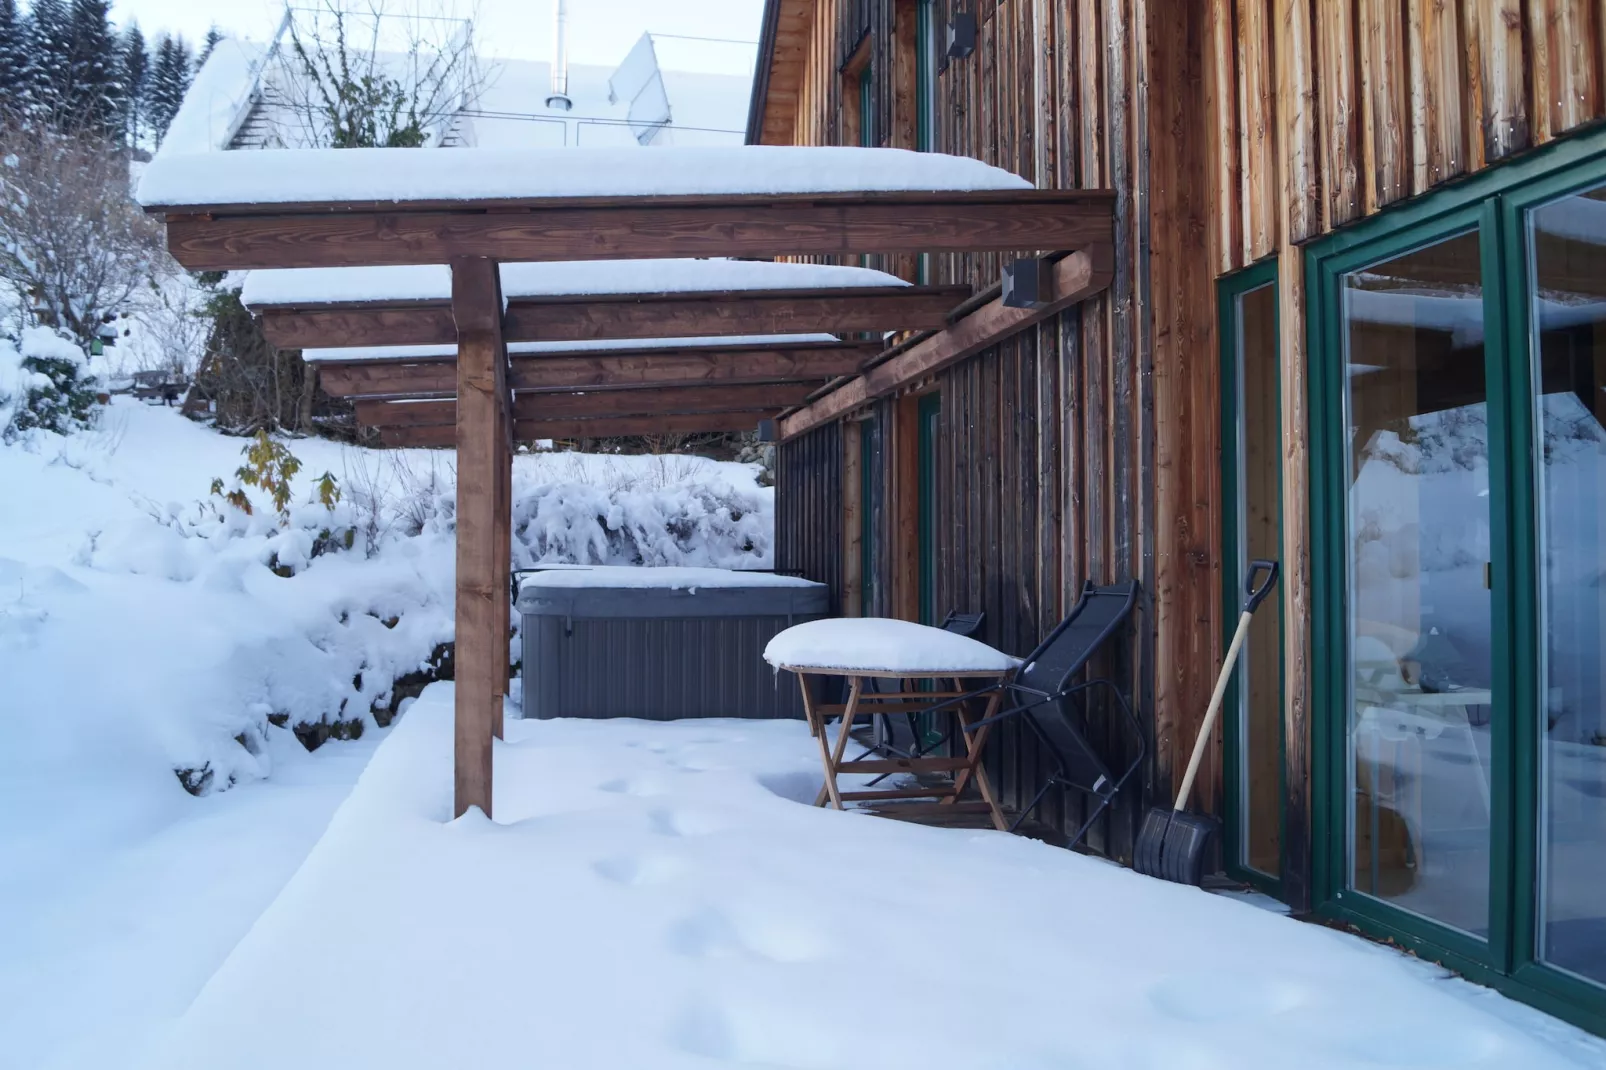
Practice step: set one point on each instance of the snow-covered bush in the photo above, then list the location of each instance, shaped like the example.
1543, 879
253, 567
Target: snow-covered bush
694, 523
44, 383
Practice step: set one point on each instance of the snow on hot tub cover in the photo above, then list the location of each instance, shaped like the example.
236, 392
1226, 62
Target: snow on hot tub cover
882, 644
643, 577
303, 176
559, 278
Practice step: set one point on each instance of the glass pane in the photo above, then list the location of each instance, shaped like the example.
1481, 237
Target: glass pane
1568, 244
1259, 506
1418, 536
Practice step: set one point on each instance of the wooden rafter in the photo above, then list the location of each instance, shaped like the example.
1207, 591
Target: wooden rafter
1076, 278
444, 437
615, 369
622, 316
236, 237
768, 397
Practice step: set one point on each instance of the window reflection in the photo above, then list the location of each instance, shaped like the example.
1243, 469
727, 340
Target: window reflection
1419, 606
1567, 242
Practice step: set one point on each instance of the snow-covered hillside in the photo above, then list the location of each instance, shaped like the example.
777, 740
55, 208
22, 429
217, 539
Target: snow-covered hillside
154, 638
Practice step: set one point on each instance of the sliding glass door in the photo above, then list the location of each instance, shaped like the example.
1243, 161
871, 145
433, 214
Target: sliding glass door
1458, 518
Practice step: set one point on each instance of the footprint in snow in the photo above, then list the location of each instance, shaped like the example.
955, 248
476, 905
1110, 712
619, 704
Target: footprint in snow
638, 871
712, 933
686, 823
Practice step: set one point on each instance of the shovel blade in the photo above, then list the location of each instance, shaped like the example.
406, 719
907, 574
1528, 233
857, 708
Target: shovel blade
1172, 845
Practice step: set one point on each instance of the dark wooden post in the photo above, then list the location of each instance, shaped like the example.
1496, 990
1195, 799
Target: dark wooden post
477, 310
504, 534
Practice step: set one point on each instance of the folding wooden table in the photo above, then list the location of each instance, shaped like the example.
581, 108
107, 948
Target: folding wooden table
864, 700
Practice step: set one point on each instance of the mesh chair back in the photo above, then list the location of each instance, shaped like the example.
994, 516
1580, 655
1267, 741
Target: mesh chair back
1101, 610
1049, 669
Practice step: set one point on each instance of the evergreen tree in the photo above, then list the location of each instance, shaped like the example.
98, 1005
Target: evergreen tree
13, 55
136, 81
170, 80
49, 60
213, 36
94, 96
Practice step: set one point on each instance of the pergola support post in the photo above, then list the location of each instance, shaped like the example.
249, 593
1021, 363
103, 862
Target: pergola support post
481, 589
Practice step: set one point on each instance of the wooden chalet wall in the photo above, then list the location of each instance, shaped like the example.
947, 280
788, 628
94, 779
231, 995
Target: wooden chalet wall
808, 517
1231, 131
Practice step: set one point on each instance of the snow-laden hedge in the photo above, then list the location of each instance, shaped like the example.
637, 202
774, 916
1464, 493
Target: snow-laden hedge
44, 383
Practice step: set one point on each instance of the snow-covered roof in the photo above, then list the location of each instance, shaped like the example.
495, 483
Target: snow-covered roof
218, 99
425, 282
402, 354
671, 578
301, 176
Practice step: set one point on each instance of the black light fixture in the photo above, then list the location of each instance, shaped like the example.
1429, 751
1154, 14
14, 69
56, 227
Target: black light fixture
1028, 283
961, 35
767, 431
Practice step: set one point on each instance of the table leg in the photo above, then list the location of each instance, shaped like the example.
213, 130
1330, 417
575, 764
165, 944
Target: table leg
833, 758
973, 751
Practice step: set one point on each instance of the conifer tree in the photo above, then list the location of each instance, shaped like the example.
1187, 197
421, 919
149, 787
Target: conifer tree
213, 36
13, 55
49, 60
94, 87
169, 81
136, 82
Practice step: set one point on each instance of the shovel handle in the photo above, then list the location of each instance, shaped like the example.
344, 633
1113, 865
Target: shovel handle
1256, 595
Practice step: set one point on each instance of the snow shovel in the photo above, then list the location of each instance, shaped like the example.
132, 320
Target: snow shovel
1171, 845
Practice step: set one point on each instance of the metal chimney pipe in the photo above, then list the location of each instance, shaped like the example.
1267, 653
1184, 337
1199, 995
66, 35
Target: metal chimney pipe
560, 58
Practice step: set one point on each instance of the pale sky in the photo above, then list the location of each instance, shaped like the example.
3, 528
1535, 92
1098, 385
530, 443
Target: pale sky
600, 31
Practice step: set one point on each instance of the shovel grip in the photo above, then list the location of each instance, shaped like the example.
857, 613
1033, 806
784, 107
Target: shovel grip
1256, 594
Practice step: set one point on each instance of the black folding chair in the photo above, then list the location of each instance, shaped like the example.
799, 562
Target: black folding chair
886, 739
1043, 691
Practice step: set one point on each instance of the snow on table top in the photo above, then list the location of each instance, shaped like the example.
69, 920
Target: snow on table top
671, 578
302, 176
882, 644
405, 353
433, 282
672, 876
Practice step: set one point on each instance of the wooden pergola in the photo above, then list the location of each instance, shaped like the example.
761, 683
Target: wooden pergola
489, 398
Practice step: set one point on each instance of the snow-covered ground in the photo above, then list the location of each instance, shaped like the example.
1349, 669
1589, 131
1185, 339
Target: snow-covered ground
655, 895
142, 632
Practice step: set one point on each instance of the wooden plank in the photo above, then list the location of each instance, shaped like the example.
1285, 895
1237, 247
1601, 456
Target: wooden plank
1076, 277
1257, 76
1339, 126
1221, 112
1383, 117
753, 312
660, 401
852, 519
502, 606
619, 368
1495, 53
1562, 37
1292, 35
735, 226
1439, 149
477, 305
594, 318
441, 436
905, 501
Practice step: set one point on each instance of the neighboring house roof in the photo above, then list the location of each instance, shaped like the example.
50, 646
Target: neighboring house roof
237, 101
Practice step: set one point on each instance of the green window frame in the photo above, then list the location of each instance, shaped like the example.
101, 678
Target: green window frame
1493, 203
925, 76
1230, 289
929, 415
867, 130
869, 517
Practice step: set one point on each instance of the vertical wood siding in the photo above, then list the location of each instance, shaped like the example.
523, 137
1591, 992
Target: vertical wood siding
1231, 131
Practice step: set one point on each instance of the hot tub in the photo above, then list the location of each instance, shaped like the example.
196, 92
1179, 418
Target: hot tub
658, 643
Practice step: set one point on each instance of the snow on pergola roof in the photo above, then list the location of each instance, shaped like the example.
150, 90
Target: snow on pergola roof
324, 176
433, 282
404, 354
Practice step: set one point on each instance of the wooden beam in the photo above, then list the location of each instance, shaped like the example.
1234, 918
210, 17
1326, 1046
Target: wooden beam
613, 369
443, 435
1076, 278
594, 318
477, 307
238, 237
663, 401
